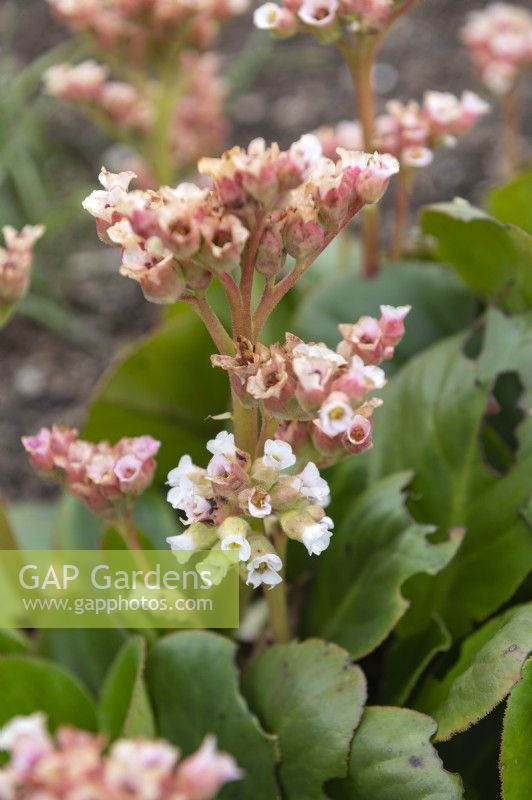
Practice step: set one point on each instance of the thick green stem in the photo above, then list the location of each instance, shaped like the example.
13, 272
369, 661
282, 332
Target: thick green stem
245, 423
276, 599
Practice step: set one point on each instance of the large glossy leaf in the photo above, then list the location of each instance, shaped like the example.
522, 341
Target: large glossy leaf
441, 305
430, 423
193, 683
86, 652
493, 258
28, 685
164, 386
513, 202
516, 753
124, 705
392, 759
311, 696
356, 596
489, 665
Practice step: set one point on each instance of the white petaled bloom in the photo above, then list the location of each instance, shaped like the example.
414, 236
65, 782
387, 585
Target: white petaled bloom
179, 480
312, 486
278, 454
259, 504
239, 543
335, 415
102, 204
264, 569
318, 13
222, 445
375, 172
317, 537
307, 151
416, 157
184, 541
267, 17
196, 508
314, 365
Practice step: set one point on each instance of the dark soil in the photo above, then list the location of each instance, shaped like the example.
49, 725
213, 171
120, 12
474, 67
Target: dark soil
47, 376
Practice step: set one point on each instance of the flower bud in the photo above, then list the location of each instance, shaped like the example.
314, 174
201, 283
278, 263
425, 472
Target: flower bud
270, 254
202, 775
197, 537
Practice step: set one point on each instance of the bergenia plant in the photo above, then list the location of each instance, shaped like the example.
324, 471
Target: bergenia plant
296, 406
407, 130
499, 39
16, 259
153, 85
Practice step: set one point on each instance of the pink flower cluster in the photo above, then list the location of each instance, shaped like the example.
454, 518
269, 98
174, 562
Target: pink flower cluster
327, 389
324, 18
499, 39
72, 764
222, 503
173, 241
196, 125
15, 261
411, 131
106, 477
140, 30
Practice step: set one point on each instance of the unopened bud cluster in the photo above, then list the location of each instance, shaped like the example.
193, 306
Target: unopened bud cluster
412, 131
327, 389
15, 262
107, 478
236, 501
72, 765
325, 19
499, 39
131, 111
142, 30
173, 241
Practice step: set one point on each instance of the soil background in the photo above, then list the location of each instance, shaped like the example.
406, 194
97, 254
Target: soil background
47, 375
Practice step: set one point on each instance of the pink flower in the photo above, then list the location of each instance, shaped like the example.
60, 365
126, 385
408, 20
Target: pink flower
39, 449
363, 339
357, 437
15, 261
335, 415
392, 324
374, 175
202, 775
81, 83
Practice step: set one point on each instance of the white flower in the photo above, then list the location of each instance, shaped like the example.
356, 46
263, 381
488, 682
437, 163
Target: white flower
267, 17
416, 157
195, 507
264, 569
312, 486
259, 504
33, 725
222, 445
317, 537
306, 151
278, 455
184, 541
335, 415
179, 480
318, 13
237, 542
103, 203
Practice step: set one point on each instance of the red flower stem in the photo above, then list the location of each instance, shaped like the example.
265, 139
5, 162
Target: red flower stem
403, 192
219, 335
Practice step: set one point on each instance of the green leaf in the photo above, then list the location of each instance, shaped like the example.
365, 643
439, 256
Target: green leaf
441, 305
28, 685
356, 597
392, 759
408, 657
489, 665
516, 752
124, 705
311, 696
164, 386
85, 652
440, 399
13, 642
193, 684
494, 259
513, 202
